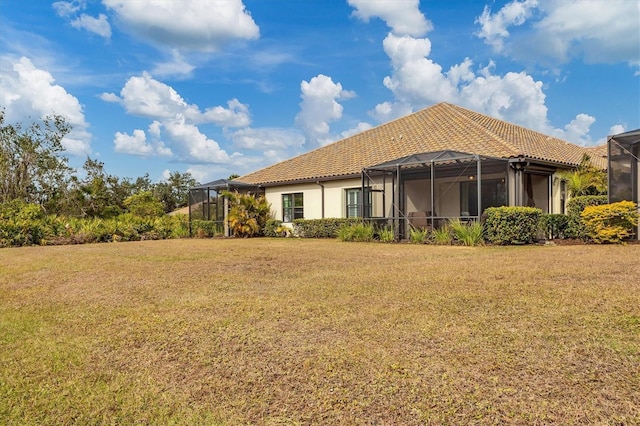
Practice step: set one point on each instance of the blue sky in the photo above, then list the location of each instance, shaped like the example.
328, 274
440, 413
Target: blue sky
227, 86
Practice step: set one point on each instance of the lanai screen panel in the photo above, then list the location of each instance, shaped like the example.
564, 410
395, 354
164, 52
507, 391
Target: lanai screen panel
623, 155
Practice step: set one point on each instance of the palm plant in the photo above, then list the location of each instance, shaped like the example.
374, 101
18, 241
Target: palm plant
248, 214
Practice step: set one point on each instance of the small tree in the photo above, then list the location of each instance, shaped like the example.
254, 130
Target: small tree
32, 165
586, 179
248, 214
144, 204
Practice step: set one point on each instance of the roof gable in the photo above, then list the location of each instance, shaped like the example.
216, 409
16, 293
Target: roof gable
441, 127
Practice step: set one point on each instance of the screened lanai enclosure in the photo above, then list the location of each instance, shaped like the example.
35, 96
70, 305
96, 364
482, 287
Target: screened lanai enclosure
624, 181
426, 190
624, 161
429, 189
207, 203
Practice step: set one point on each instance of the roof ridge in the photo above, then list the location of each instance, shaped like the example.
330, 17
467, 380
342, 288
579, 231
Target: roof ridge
498, 138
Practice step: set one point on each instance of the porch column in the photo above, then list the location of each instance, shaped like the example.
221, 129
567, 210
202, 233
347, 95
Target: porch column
479, 183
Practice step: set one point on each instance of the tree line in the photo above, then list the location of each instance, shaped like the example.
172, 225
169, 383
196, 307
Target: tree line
33, 169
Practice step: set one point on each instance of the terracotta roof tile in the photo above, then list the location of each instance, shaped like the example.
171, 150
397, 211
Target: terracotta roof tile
437, 128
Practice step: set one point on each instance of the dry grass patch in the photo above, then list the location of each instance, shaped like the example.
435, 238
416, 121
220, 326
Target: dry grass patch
281, 331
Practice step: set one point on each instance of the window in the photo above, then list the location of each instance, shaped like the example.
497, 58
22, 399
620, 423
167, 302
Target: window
354, 202
494, 194
292, 207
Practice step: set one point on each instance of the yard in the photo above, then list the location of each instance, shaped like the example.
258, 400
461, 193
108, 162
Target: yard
289, 331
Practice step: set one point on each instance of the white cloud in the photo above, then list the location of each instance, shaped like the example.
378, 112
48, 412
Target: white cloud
319, 106
27, 91
190, 145
67, 8
137, 144
494, 27
577, 130
417, 81
177, 66
595, 31
263, 139
147, 97
387, 111
98, 25
403, 17
187, 24
360, 127
175, 121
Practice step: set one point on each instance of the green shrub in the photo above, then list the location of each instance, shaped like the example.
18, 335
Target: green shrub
511, 225
359, 232
248, 214
418, 235
575, 206
321, 228
274, 228
205, 228
610, 223
441, 236
22, 224
553, 225
468, 234
144, 204
387, 235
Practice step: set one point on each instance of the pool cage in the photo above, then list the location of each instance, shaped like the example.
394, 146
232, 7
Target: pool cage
427, 190
624, 161
206, 202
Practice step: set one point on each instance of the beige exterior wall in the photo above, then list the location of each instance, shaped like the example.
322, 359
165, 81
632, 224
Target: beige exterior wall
312, 199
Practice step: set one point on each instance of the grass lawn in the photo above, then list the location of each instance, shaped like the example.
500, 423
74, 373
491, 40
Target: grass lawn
288, 331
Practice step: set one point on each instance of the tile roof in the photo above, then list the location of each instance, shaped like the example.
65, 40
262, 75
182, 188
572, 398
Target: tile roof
437, 128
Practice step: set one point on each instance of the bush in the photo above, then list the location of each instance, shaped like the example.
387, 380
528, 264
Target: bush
321, 228
22, 224
554, 225
205, 228
575, 206
273, 228
248, 214
387, 235
610, 223
441, 236
358, 232
512, 225
418, 236
468, 234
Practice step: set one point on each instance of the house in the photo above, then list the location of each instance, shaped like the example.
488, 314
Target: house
439, 163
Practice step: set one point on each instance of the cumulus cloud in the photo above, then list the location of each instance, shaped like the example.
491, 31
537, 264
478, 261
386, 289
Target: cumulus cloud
147, 97
187, 24
403, 17
417, 81
137, 144
320, 107
595, 31
174, 128
27, 91
494, 27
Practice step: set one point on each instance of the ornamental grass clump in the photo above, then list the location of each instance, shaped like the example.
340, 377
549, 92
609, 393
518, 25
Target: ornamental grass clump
387, 235
467, 234
359, 232
418, 235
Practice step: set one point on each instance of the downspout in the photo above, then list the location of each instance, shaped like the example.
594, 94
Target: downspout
321, 199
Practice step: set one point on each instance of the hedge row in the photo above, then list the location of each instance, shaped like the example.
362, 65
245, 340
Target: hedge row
27, 224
